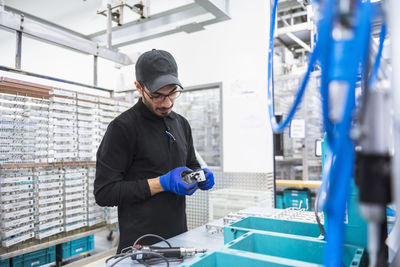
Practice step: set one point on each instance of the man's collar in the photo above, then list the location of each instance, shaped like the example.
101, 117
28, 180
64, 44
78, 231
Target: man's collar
143, 109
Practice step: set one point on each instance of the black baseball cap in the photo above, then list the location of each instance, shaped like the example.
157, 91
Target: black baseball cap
156, 69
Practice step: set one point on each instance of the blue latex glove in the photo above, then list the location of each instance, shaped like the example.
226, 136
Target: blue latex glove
173, 182
209, 182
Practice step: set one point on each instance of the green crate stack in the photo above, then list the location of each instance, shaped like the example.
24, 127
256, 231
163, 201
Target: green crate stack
5, 263
36, 258
75, 247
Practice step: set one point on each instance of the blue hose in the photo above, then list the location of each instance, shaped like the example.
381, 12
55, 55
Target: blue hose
347, 67
279, 127
374, 73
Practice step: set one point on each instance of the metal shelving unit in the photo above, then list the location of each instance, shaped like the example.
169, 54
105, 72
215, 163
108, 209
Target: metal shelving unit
46, 184
201, 105
295, 28
294, 39
299, 160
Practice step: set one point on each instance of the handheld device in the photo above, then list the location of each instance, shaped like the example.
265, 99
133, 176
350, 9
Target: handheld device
193, 177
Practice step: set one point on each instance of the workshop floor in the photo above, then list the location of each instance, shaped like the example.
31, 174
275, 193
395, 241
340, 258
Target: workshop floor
102, 242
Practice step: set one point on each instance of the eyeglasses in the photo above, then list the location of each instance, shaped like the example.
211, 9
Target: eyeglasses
159, 98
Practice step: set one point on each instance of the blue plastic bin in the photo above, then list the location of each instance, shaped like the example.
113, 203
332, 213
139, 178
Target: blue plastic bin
299, 248
5, 263
275, 249
238, 259
297, 198
279, 201
258, 224
36, 258
75, 247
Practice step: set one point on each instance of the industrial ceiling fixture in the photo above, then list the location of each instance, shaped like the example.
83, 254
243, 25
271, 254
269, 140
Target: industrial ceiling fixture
114, 11
117, 10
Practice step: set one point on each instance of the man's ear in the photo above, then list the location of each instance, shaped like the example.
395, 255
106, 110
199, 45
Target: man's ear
139, 88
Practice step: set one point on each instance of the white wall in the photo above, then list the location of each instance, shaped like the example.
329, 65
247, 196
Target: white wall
235, 53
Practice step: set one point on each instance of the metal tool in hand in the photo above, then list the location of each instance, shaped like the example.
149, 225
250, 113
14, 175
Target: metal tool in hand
193, 177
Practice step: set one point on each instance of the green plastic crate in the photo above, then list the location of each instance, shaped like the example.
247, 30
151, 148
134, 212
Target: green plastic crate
297, 198
279, 201
276, 249
234, 258
75, 247
5, 263
36, 258
299, 248
258, 224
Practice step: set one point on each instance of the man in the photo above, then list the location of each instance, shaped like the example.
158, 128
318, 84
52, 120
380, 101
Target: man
143, 153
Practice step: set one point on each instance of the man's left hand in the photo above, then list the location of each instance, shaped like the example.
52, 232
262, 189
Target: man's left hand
209, 182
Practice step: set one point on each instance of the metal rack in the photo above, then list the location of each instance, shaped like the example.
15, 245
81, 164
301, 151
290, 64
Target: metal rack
202, 106
295, 28
49, 138
299, 160
294, 35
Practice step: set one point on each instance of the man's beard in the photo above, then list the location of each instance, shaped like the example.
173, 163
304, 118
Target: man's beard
155, 109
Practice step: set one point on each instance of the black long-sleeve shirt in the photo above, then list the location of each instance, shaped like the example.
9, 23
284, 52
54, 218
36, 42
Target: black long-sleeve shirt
135, 148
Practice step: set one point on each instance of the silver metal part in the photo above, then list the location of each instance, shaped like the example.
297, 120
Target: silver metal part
374, 213
204, 250
18, 49
188, 252
194, 177
109, 26
376, 125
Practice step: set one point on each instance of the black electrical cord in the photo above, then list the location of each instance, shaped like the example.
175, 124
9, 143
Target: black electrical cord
135, 250
151, 235
149, 262
140, 253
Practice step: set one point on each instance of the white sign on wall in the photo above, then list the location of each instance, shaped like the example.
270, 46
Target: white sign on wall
297, 129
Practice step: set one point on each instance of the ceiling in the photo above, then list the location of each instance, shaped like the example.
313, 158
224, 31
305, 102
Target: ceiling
75, 24
81, 15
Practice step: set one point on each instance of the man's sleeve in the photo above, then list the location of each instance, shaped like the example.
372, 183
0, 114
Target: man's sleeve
114, 157
191, 161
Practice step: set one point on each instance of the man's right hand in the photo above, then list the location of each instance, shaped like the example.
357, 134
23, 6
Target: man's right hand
173, 182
